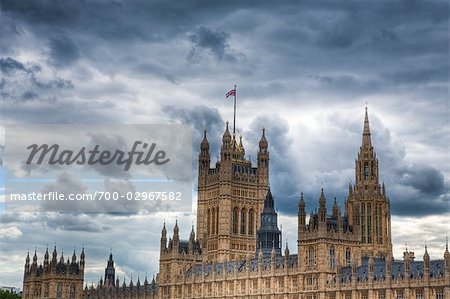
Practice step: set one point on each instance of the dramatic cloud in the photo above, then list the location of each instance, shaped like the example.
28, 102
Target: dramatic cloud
304, 71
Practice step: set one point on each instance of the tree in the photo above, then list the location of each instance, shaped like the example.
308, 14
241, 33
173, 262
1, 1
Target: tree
8, 295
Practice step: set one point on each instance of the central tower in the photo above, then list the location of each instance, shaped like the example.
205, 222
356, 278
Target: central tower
230, 198
368, 206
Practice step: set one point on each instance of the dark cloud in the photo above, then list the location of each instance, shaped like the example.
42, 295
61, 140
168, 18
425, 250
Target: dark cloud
302, 67
9, 65
63, 51
419, 190
214, 41
200, 118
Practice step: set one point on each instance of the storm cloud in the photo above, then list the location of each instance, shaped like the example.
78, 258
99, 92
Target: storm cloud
304, 70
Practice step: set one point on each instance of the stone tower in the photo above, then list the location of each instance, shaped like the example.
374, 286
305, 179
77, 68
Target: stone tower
54, 278
367, 205
230, 199
110, 271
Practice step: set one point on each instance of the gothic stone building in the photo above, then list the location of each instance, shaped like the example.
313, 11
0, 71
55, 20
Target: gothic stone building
235, 251
54, 279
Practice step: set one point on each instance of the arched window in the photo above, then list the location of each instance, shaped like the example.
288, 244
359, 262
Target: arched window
59, 291
217, 220
332, 258
243, 222
369, 222
363, 222
235, 220
250, 222
208, 227
213, 221
73, 291
348, 257
311, 256
366, 171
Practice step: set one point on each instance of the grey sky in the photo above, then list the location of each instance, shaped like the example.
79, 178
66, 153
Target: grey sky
304, 70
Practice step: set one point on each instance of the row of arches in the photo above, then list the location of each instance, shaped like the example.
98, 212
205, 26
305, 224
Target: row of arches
243, 221
312, 255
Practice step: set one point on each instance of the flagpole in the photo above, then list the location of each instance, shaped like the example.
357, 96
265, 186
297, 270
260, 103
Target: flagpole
234, 115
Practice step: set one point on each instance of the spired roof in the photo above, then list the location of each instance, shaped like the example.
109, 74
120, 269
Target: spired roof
366, 140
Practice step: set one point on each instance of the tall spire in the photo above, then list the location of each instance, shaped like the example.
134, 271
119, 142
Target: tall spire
366, 140
268, 203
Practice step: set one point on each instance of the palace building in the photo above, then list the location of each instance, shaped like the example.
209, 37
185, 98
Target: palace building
235, 251
53, 278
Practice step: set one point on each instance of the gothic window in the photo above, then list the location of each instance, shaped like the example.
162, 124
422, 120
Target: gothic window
363, 221
364, 295
380, 224
73, 291
235, 220
419, 293
213, 221
366, 171
348, 257
217, 220
440, 294
382, 294
332, 257
400, 294
369, 222
250, 222
311, 256
208, 226
59, 291
243, 222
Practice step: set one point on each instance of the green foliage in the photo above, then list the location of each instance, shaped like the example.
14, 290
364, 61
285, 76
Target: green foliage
8, 295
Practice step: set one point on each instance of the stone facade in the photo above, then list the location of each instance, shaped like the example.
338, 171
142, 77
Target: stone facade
54, 279
236, 249
340, 255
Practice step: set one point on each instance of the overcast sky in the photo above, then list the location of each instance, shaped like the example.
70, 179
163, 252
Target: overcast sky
304, 70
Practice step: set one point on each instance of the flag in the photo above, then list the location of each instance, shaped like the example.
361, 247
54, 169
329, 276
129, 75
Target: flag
231, 93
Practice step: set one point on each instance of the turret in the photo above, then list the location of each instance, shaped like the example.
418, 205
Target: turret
176, 238
34, 259
204, 158
163, 238
426, 263
263, 156
286, 254
46, 258
54, 256
110, 271
61, 260
322, 210
301, 214
82, 259
336, 211
74, 257
191, 241
408, 257
27, 263
227, 146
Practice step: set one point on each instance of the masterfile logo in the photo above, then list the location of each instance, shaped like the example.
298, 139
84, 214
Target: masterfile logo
96, 156
105, 168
